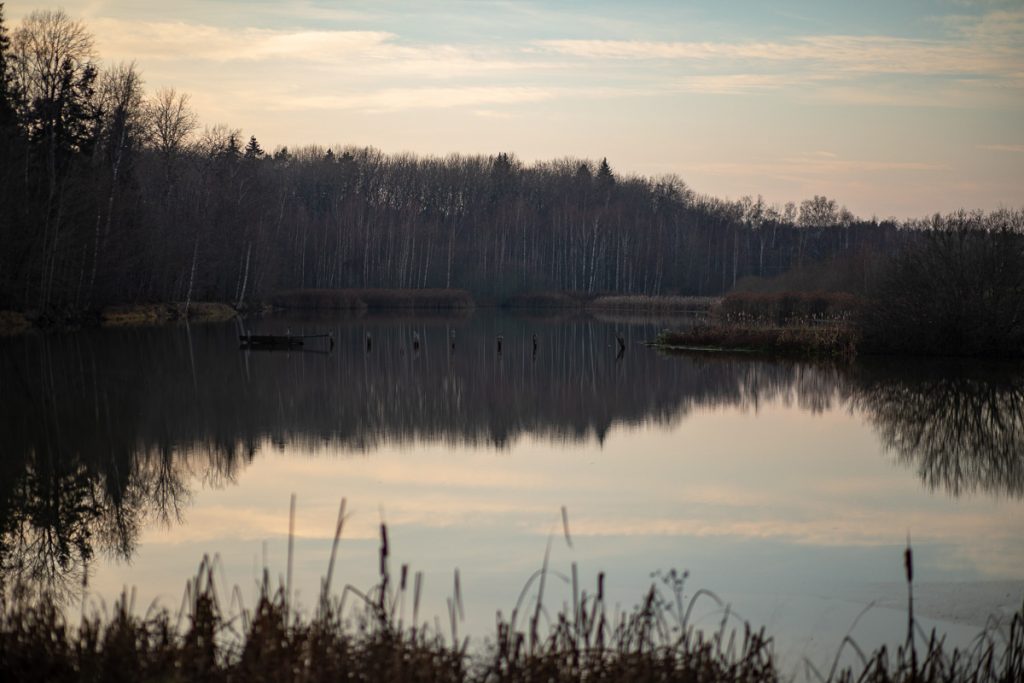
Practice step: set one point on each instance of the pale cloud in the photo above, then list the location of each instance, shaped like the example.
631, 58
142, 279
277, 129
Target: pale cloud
396, 99
851, 54
815, 165
493, 114
356, 52
741, 83
1004, 148
987, 47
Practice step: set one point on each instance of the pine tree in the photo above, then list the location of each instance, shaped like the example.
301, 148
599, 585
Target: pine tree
232, 149
8, 107
253, 150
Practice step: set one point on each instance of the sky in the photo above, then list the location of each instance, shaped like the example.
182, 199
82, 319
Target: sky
893, 108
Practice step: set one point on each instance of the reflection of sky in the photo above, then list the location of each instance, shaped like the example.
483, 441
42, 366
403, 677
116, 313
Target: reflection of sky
797, 519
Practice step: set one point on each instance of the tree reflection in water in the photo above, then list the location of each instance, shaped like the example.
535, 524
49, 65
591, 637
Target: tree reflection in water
960, 425
105, 432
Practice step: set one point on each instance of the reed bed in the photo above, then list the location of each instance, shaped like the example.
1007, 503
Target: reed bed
820, 341
813, 325
13, 322
155, 314
372, 636
786, 308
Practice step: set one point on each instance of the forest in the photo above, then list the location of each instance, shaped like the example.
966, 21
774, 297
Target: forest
110, 195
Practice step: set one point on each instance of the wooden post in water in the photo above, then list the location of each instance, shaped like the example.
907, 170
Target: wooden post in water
369, 342
499, 344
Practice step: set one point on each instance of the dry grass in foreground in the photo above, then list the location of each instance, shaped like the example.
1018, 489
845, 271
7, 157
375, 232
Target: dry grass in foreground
370, 639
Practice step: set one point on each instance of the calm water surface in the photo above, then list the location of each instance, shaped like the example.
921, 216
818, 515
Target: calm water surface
787, 488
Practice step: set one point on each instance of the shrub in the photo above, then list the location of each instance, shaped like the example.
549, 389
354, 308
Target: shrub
959, 291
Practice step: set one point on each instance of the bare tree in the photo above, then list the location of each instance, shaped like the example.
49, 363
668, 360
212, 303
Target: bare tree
123, 123
52, 68
171, 122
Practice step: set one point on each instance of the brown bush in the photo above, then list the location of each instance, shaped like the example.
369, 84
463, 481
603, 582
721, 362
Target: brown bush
960, 292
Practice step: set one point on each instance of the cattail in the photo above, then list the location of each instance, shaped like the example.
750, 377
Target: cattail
908, 562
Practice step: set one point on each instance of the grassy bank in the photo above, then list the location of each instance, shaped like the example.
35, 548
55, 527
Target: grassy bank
823, 341
13, 322
127, 315
155, 314
361, 299
379, 636
817, 324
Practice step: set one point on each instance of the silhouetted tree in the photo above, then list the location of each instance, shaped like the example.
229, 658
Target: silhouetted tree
959, 289
253, 150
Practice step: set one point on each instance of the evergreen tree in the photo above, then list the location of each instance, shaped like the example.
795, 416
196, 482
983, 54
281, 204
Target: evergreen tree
8, 106
232, 149
253, 150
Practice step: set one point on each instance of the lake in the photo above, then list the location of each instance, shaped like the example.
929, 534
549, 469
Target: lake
789, 489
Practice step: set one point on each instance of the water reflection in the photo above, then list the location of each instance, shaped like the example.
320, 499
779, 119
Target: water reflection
960, 425
107, 432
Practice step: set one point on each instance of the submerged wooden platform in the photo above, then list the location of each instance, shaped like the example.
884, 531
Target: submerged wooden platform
279, 341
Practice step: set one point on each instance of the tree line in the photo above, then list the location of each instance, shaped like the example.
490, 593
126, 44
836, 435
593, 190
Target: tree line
112, 195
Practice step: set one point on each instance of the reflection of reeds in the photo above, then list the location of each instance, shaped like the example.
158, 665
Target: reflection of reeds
368, 639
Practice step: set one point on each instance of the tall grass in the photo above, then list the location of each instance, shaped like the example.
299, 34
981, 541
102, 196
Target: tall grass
365, 636
786, 308
800, 324
13, 322
153, 314
838, 342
